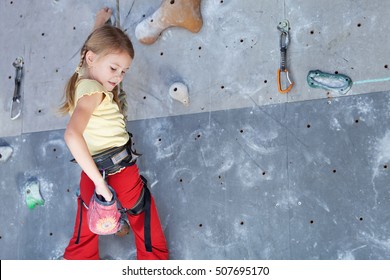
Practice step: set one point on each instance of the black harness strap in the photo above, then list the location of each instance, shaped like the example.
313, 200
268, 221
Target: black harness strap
143, 205
81, 219
147, 231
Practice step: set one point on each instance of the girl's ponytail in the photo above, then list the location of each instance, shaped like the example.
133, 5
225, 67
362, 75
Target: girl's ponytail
70, 87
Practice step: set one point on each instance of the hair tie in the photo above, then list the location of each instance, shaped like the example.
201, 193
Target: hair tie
77, 70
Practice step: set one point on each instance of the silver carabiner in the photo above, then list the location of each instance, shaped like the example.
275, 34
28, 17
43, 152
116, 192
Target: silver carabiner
284, 27
16, 108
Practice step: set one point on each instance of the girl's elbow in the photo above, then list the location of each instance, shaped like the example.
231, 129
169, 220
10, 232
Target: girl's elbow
69, 134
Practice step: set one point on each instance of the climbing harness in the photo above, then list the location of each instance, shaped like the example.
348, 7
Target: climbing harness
109, 162
16, 107
284, 27
338, 83
112, 160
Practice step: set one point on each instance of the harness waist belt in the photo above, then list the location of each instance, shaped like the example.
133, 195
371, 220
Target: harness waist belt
111, 160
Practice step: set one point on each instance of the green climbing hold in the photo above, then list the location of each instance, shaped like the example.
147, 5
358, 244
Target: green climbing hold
33, 194
334, 82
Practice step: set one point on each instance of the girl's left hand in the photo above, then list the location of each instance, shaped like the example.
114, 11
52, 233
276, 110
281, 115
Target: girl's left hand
103, 190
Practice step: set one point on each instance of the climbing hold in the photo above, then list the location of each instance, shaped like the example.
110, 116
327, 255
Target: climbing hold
33, 195
334, 82
124, 227
179, 92
179, 13
5, 153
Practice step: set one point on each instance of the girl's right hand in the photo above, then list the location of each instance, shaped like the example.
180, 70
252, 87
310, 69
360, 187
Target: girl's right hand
103, 190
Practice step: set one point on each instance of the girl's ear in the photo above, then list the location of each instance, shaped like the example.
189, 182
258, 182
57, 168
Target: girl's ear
90, 57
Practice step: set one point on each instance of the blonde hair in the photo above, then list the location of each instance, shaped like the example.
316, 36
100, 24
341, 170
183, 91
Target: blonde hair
102, 41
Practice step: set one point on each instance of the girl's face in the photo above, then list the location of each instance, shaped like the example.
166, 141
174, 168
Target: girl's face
110, 69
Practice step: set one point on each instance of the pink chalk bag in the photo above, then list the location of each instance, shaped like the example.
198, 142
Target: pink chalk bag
103, 216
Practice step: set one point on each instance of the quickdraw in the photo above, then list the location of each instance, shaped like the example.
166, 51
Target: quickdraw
16, 108
284, 27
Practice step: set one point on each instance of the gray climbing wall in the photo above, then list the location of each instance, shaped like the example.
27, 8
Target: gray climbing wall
243, 172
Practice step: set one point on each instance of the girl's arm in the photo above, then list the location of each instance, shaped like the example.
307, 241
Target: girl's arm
78, 147
102, 16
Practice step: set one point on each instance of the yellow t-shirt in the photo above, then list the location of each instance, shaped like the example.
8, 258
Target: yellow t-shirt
106, 128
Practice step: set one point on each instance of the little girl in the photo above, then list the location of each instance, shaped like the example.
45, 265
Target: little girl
97, 138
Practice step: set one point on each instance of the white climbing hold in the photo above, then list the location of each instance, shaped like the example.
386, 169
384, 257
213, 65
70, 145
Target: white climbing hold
33, 194
179, 92
5, 153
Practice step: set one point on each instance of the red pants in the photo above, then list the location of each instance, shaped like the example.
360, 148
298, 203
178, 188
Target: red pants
127, 185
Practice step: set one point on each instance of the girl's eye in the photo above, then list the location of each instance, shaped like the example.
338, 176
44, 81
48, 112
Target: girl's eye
113, 69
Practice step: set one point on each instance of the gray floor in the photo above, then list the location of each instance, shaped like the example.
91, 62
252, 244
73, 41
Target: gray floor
243, 172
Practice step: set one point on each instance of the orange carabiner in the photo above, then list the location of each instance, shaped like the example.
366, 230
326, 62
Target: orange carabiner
279, 83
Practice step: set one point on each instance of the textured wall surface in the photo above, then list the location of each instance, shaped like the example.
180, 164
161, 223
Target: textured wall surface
243, 172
